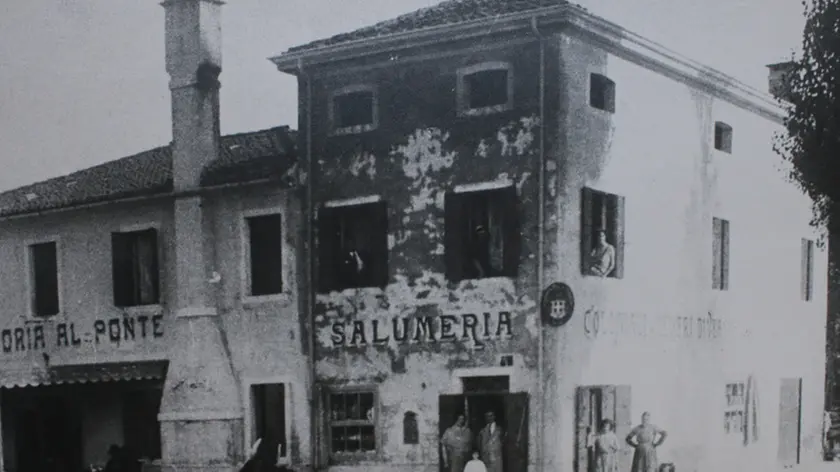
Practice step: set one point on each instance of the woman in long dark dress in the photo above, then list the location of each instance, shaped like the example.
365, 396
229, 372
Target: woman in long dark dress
263, 458
645, 438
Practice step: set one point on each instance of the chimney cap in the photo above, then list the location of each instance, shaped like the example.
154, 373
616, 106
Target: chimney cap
781, 65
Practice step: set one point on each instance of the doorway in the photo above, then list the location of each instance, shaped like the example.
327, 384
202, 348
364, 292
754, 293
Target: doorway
53, 435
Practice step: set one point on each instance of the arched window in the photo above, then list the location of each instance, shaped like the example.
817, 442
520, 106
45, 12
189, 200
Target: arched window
410, 433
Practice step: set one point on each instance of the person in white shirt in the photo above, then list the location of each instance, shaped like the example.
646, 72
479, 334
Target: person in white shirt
475, 465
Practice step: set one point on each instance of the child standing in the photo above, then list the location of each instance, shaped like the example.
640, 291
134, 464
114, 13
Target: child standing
475, 465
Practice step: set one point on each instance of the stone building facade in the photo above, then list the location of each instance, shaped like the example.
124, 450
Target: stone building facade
462, 162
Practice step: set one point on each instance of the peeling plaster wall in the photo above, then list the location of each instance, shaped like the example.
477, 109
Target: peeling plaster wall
419, 151
657, 151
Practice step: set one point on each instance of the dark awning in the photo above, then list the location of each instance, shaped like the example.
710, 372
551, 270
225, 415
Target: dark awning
84, 373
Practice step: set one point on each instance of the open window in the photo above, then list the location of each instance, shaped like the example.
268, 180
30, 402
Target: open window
485, 88
43, 278
482, 236
265, 254
352, 422
270, 414
723, 137
353, 246
601, 93
720, 254
807, 281
602, 234
596, 403
411, 432
135, 269
353, 110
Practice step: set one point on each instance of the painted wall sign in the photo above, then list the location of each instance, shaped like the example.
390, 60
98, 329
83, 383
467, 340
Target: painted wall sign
598, 323
558, 304
423, 329
66, 335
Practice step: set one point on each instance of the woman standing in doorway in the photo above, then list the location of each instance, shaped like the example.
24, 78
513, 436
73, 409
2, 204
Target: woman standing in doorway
645, 438
606, 448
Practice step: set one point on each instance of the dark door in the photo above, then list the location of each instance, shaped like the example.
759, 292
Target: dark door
516, 428
597, 403
790, 413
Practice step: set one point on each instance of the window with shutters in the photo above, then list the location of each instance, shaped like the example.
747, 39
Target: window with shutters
352, 421
264, 253
733, 416
602, 234
353, 246
270, 414
353, 110
807, 281
601, 93
720, 254
723, 137
411, 433
594, 404
482, 236
44, 278
485, 88
135, 268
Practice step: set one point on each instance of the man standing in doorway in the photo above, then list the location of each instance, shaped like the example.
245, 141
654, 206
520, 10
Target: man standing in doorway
490, 441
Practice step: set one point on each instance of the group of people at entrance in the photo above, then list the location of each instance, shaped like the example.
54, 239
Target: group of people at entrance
462, 452
644, 439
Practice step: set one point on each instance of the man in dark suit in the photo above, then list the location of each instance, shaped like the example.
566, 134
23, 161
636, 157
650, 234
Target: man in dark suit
490, 441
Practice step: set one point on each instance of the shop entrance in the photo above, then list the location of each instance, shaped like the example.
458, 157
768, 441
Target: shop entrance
490, 394
48, 432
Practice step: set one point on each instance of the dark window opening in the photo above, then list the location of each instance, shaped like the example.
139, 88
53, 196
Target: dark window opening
602, 234
807, 269
723, 137
602, 93
353, 109
353, 246
720, 254
485, 384
268, 410
352, 422
141, 428
135, 268
265, 239
44, 278
487, 88
593, 405
734, 419
411, 434
482, 234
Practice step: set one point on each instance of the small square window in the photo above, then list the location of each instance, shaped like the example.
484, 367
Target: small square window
602, 234
723, 137
720, 254
352, 422
135, 271
807, 269
485, 88
601, 93
269, 416
353, 110
353, 246
482, 234
265, 243
43, 263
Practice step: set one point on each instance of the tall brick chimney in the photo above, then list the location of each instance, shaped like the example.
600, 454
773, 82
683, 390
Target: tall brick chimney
201, 417
777, 78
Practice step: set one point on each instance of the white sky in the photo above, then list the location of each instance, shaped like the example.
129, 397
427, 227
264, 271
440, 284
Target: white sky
83, 81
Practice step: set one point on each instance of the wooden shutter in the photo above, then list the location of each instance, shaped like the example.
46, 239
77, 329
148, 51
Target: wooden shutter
322, 425
618, 228
379, 245
623, 424
453, 236
327, 228
790, 414
582, 413
717, 251
724, 262
586, 224
512, 231
807, 257
449, 407
122, 269
149, 281
517, 432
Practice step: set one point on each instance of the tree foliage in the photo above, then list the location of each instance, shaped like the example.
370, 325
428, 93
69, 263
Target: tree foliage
812, 141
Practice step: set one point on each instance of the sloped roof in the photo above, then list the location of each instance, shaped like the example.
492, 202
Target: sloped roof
444, 13
243, 157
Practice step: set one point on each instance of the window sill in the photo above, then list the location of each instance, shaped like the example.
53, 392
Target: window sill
254, 300
155, 309
35, 319
356, 458
484, 111
358, 129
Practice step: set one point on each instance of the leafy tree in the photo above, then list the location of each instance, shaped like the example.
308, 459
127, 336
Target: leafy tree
812, 88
